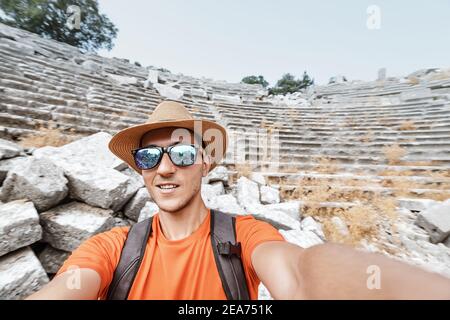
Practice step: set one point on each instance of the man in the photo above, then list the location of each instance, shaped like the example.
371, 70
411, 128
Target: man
178, 262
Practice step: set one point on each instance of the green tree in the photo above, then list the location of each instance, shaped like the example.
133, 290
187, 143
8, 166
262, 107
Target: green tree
255, 80
288, 84
58, 20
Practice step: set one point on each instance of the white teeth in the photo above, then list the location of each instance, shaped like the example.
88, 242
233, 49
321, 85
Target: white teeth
168, 186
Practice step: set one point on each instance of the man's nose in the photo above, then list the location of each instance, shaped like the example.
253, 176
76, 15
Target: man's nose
166, 166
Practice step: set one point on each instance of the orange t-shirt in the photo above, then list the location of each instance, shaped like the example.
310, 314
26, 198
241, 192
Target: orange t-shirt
182, 269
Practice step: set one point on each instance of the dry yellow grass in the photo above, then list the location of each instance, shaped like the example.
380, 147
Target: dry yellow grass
243, 170
50, 136
394, 153
289, 169
326, 165
418, 163
374, 213
363, 220
395, 173
407, 125
439, 174
413, 80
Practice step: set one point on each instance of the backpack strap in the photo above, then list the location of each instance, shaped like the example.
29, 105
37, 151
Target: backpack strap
227, 254
130, 260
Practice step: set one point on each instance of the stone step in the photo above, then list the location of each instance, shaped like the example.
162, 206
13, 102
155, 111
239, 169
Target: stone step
349, 193
100, 125
444, 124
375, 169
246, 143
358, 157
350, 108
17, 122
426, 182
416, 154
296, 113
394, 136
346, 132
346, 149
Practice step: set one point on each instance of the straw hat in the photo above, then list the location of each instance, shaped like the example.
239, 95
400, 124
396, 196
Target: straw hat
170, 114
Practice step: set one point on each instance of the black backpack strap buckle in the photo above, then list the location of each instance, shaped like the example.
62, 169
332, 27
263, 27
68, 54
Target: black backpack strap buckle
229, 249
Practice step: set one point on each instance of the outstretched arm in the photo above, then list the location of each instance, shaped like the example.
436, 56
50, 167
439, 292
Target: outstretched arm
332, 271
80, 284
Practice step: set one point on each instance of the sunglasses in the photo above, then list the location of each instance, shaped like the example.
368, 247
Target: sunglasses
181, 155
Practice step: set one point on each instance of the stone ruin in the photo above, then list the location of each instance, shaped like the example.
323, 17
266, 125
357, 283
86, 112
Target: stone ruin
362, 163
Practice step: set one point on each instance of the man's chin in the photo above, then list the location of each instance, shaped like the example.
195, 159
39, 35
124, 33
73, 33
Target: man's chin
167, 206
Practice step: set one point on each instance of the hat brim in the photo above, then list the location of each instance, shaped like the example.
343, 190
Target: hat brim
128, 139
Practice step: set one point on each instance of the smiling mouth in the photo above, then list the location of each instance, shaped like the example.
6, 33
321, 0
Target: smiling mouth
167, 186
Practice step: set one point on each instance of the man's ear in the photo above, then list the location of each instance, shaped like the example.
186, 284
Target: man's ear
206, 164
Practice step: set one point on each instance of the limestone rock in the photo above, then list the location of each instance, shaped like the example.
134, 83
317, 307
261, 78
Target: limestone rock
258, 177
210, 191
21, 274
123, 80
68, 225
226, 203
8, 164
89, 152
152, 78
269, 195
309, 224
436, 220
276, 218
19, 225
134, 206
106, 188
227, 98
9, 149
168, 92
415, 204
219, 173
136, 178
198, 92
149, 210
304, 239
38, 180
91, 66
247, 193
291, 208
52, 259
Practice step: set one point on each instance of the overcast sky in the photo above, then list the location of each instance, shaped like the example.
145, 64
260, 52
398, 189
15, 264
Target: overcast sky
227, 40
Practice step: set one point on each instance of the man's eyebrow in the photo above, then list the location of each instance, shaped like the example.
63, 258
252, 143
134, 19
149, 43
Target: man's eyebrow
155, 145
149, 145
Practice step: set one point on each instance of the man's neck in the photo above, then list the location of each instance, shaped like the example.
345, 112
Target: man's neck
179, 225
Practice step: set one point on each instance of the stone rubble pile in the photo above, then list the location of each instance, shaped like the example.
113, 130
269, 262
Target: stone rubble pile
53, 201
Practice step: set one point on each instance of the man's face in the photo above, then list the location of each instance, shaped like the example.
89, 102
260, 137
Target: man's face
186, 179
